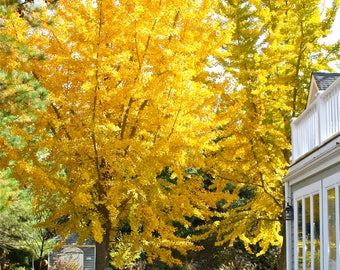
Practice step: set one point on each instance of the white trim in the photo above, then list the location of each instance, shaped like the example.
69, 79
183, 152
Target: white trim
301, 195
316, 162
331, 182
307, 190
289, 229
337, 226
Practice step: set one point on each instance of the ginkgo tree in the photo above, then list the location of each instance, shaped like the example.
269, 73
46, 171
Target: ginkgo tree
129, 96
275, 47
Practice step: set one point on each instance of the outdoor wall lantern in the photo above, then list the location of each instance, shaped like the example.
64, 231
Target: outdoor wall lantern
289, 212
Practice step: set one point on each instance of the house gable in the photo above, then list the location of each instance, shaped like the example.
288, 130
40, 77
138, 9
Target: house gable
320, 81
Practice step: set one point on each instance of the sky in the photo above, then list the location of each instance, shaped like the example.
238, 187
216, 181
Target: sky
335, 35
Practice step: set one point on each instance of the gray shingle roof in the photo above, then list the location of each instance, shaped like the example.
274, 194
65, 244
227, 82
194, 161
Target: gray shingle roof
324, 79
73, 238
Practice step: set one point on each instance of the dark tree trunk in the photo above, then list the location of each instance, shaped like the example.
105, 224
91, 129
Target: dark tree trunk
282, 261
102, 254
103, 248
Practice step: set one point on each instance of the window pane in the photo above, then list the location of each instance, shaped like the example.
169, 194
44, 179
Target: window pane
307, 233
331, 229
316, 231
300, 242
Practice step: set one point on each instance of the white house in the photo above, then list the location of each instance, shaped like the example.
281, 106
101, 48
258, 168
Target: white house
312, 186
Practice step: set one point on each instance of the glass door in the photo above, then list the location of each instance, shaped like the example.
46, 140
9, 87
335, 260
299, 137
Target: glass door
307, 228
316, 226
331, 219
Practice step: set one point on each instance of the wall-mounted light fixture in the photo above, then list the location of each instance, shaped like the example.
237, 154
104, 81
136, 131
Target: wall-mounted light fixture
289, 212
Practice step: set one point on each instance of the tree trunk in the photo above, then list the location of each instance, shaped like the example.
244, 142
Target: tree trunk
103, 248
102, 254
282, 262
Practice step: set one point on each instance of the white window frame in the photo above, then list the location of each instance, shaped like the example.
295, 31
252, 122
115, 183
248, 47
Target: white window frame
301, 194
330, 182
320, 187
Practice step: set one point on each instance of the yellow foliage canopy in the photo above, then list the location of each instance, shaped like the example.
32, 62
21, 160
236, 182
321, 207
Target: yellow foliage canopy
275, 48
129, 96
